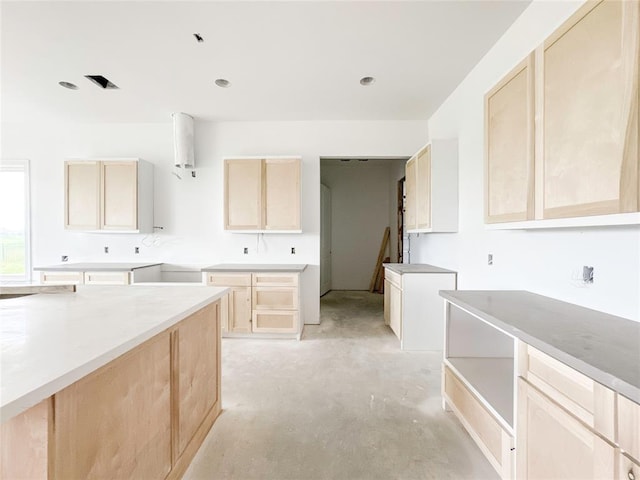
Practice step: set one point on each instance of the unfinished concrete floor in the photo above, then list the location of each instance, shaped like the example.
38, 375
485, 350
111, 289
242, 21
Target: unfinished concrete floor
343, 403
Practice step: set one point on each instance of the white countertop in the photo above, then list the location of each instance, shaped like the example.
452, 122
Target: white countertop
50, 341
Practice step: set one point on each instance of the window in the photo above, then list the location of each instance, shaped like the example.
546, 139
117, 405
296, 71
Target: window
15, 249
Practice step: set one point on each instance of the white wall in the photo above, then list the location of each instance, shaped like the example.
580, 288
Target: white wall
190, 210
359, 193
543, 262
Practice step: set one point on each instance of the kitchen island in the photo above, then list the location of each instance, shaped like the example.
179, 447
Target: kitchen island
130, 376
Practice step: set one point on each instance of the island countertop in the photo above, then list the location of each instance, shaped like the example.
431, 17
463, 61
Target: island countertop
95, 267
403, 268
255, 267
603, 347
50, 341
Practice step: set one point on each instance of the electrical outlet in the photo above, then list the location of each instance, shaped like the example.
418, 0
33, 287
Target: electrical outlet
136, 249
65, 258
106, 249
490, 259
293, 250
587, 274
246, 250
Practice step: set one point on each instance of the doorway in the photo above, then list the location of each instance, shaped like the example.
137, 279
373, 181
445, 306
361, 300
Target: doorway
359, 200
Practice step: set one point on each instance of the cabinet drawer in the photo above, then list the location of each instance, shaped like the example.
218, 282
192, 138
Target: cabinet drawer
393, 277
275, 321
492, 439
275, 298
587, 400
628, 469
229, 279
629, 428
275, 280
62, 277
106, 278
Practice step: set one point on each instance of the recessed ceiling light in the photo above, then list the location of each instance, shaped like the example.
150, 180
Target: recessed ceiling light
366, 81
223, 83
69, 85
199, 37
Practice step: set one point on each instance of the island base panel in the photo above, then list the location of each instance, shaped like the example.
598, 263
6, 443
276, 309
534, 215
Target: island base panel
25, 443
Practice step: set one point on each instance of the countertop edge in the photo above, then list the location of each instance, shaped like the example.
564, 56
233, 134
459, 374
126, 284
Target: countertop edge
295, 268
428, 269
608, 380
105, 268
27, 400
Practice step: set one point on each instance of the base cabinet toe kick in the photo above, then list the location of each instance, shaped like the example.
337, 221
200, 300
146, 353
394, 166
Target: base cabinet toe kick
539, 403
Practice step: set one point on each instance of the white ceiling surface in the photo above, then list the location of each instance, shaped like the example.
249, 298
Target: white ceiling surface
296, 60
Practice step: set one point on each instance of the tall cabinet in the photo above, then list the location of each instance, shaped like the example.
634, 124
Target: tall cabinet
114, 195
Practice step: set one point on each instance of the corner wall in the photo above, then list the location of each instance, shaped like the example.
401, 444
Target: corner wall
546, 262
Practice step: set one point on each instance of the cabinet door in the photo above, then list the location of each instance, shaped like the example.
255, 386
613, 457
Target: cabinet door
224, 313
423, 188
387, 299
282, 194
116, 422
197, 370
589, 83
410, 218
552, 444
119, 186
395, 309
509, 146
240, 310
629, 426
627, 468
82, 195
243, 194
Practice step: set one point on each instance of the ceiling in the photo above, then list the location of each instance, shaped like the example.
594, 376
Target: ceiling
292, 60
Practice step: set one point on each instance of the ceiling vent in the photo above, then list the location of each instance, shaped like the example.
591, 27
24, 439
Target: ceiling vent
102, 82
183, 147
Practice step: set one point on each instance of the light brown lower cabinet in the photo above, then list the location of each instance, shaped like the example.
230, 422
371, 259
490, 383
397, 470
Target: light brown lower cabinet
553, 444
143, 415
260, 302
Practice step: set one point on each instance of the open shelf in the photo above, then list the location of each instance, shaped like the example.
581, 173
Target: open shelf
492, 379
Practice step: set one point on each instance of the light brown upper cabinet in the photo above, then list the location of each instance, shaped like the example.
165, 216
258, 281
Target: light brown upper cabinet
588, 79
431, 188
262, 194
509, 146
109, 195
563, 129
